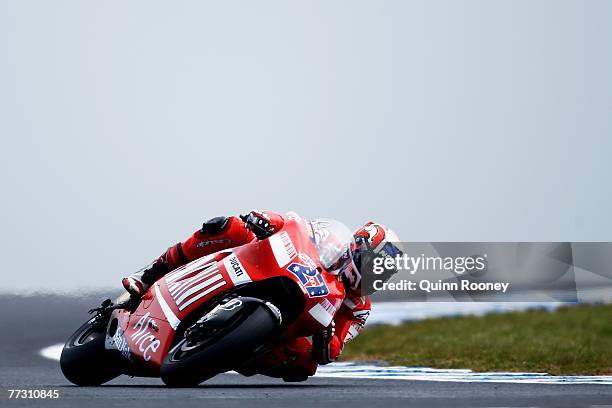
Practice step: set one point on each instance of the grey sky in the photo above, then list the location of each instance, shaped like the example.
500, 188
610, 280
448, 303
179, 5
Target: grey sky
124, 125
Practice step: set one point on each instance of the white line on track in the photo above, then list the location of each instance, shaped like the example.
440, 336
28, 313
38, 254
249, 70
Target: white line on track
353, 370
395, 313
52, 352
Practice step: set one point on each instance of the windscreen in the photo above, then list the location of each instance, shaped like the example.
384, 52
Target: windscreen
332, 239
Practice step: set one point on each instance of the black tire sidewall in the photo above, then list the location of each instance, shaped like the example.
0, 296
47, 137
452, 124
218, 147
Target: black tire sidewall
229, 351
88, 363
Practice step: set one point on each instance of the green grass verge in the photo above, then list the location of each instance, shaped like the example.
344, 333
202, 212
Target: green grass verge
571, 340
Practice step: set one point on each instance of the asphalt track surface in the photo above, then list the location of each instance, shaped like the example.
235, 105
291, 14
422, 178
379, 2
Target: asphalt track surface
27, 324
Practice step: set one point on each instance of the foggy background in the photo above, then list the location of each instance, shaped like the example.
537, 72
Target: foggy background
125, 125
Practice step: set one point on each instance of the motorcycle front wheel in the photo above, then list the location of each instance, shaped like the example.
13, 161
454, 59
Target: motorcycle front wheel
189, 363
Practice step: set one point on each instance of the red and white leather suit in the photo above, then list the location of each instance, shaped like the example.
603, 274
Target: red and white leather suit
296, 356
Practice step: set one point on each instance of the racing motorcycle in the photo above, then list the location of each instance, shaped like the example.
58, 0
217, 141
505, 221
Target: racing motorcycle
218, 313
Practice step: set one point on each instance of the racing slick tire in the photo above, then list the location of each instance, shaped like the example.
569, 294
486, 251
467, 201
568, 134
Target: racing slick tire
231, 336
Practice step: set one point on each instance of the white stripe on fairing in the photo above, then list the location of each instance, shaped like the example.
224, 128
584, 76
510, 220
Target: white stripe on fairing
352, 370
205, 273
321, 315
170, 316
281, 254
202, 294
176, 287
182, 282
198, 287
185, 270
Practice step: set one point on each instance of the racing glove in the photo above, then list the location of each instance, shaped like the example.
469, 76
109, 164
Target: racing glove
261, 223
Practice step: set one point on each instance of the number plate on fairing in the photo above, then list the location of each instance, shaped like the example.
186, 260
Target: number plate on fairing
309, 276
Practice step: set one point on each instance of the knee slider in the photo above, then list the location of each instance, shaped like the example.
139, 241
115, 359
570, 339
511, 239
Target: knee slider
214, 225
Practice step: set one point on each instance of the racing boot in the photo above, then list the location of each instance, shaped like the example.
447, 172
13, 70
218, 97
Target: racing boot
138, 283
134, 285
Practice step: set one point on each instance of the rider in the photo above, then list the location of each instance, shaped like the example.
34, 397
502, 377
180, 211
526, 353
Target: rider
297, 360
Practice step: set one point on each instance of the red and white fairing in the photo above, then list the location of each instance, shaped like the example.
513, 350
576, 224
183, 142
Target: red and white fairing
148, 333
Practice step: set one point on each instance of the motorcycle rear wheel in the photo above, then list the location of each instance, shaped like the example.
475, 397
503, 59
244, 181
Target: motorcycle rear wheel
188, 364
84, 360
